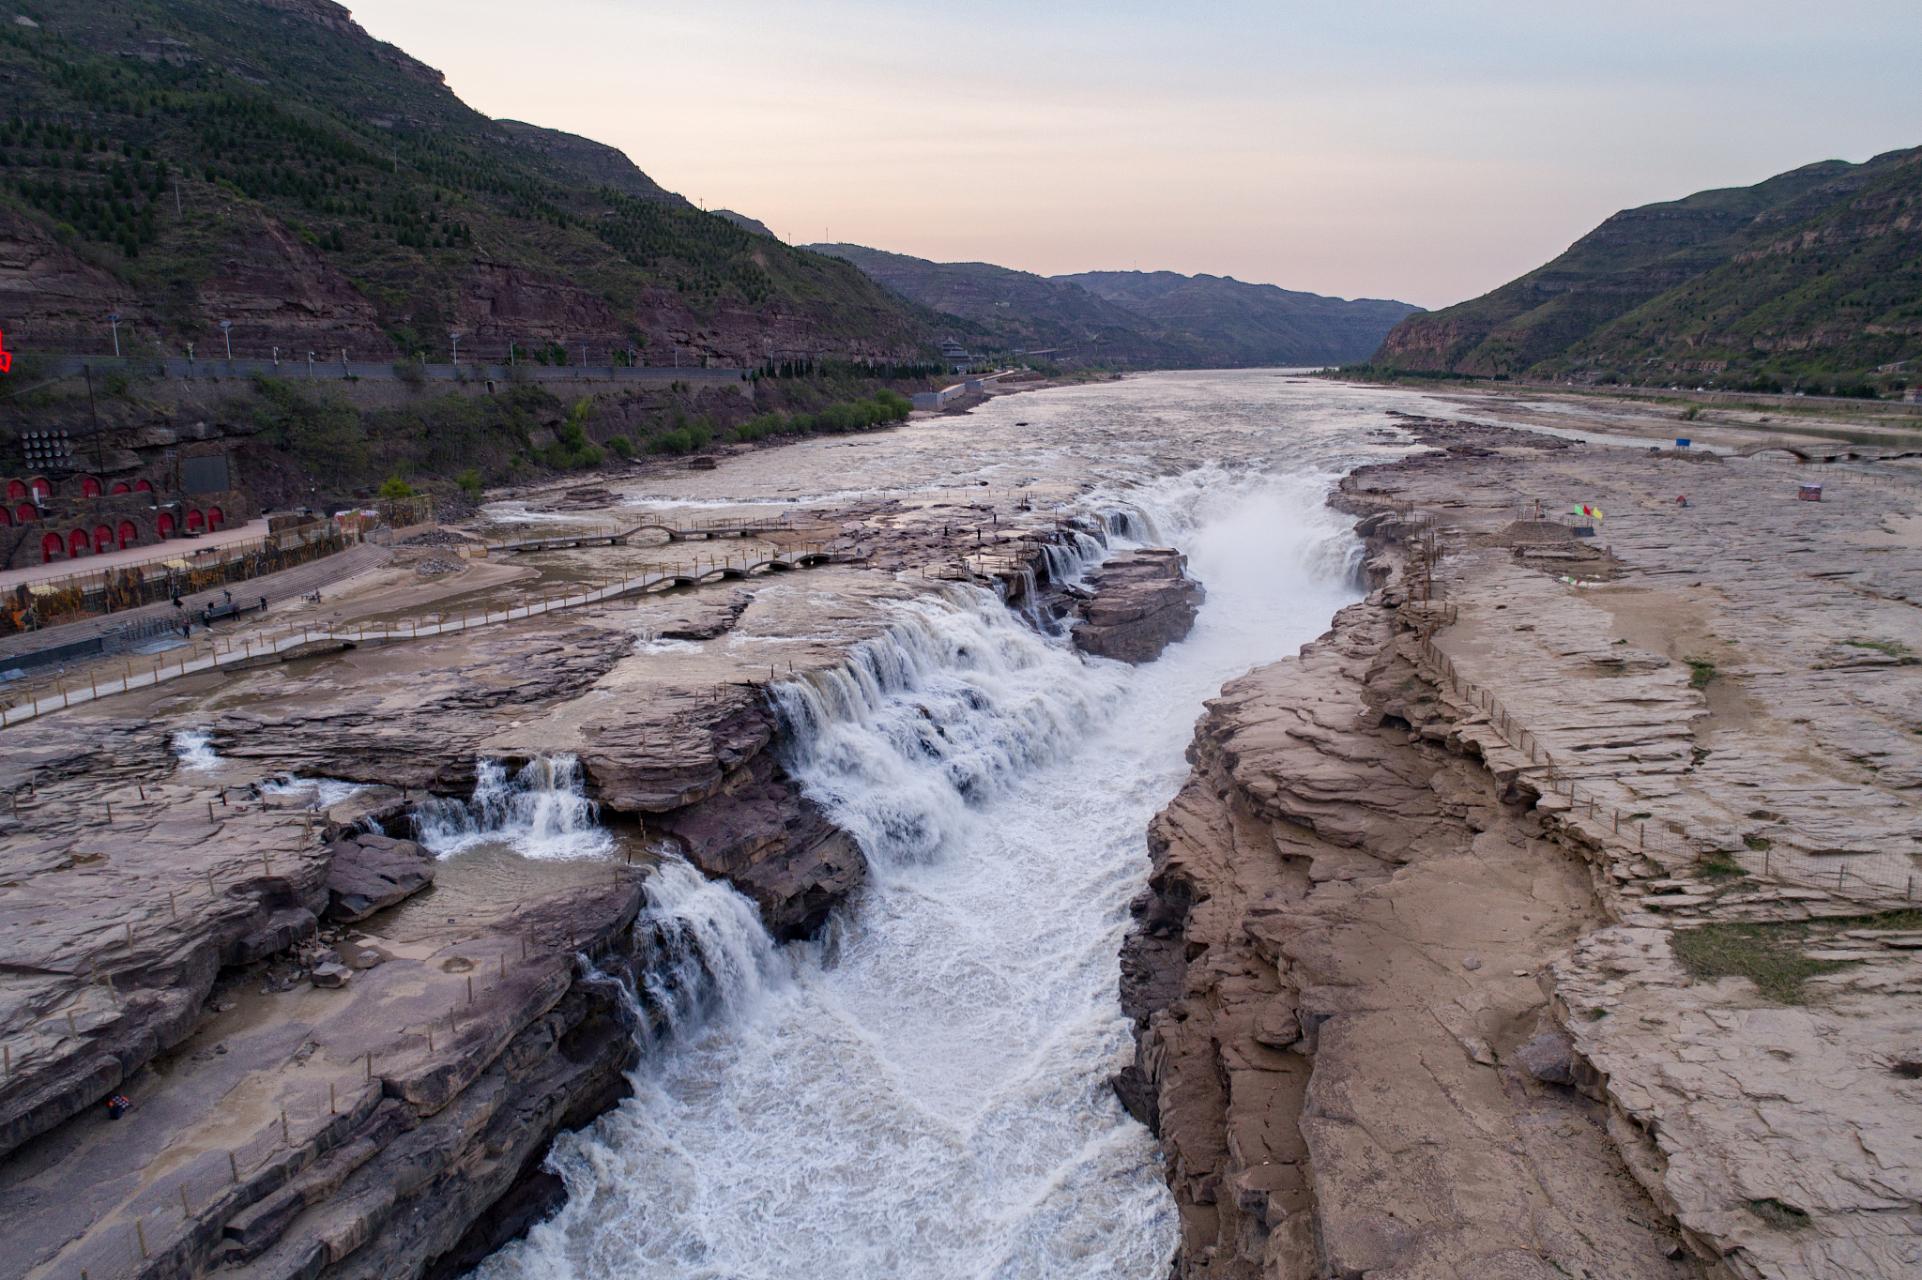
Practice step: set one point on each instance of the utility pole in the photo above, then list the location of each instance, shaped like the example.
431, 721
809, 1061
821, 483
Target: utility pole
455, 337
114, 320
227, 331
177, 212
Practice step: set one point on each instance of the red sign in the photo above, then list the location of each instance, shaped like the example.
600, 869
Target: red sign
6, 357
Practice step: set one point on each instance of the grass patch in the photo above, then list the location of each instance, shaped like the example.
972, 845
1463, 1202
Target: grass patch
1761, 844
1894, 648
1597, 1014
1719, 866
1783, 1217
1770, 956
1701, 672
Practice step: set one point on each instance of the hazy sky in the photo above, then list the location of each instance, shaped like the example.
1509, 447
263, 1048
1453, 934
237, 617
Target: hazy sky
1419, 151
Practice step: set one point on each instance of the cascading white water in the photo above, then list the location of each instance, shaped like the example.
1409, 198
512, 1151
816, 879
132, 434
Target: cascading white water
194, 748
540, 811
319, 793
701, 948
928, 1095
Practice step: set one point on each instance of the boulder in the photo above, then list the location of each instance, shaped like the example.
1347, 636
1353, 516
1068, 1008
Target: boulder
371, 871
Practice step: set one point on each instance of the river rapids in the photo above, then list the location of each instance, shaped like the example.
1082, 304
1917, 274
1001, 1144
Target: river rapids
922, 1092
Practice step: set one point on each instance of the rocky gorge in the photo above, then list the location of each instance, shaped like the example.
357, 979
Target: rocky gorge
630, 922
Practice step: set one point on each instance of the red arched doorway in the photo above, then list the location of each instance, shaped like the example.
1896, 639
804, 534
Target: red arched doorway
16, 490
89, 487
195, 521
26, 513
164, 525
128, 534
50, 548
77, 543
214, 518
41, 486
143, 486
6, 518
102, 538
121, 486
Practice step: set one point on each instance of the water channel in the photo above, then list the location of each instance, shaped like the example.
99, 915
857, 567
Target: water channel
923, 1090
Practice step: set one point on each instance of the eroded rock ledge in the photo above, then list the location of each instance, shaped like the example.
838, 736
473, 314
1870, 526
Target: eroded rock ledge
1141, 602
1335, 972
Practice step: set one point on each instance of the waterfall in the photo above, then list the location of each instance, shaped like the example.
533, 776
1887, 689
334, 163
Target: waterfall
933, 718
541, 811
926, 1095
699, 948
194, 748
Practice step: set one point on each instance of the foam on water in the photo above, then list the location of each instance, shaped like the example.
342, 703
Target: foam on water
540, 811
927, 1095
194, 748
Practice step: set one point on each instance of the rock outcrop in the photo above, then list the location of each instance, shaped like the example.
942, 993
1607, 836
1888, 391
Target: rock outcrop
1334, 963
1554, 891
371, 871
1143, 601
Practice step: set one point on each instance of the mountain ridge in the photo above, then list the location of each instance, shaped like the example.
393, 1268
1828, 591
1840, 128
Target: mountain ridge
268, 162
1808, 276
1160, 318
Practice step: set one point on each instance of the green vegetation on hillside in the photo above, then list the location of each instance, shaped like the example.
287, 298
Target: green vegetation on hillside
1809, 281
160, 138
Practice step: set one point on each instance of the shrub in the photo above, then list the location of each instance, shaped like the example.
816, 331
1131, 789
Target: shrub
621, 445
574, 449
411, 372
469, 480
395, 487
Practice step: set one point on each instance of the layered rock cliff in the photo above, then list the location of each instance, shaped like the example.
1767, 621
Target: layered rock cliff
1333, 975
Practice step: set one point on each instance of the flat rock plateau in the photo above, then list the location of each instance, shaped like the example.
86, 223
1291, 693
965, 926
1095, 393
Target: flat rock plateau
1551, 915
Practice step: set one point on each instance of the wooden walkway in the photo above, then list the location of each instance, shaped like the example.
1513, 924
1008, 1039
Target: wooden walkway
239, 653
700, 530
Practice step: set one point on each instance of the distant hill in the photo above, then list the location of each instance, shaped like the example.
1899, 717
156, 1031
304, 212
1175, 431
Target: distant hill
1251, 323
1149, 318
1017, 309
1812, 277
178, 163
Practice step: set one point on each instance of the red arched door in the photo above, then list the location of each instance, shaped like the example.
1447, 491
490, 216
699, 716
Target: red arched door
214, 517
128, 534
102, 538
26, 513
77, 543
16, 490
50, 548
164, 525
143, 486
41, 486
121, 486
89, 487
6, 518
195, 521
